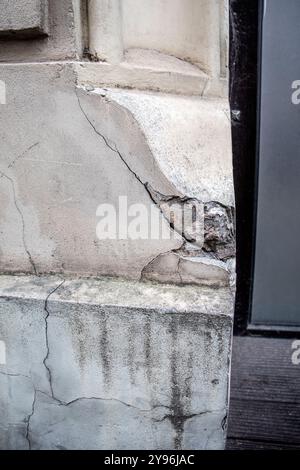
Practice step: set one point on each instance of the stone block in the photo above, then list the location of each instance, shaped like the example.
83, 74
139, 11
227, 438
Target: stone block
23, 18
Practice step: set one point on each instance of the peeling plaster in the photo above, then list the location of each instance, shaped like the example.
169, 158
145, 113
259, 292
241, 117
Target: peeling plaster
219, 231
212, 228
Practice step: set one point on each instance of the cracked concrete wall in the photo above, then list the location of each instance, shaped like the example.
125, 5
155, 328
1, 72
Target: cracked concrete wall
81, 354
147, 346
77, 149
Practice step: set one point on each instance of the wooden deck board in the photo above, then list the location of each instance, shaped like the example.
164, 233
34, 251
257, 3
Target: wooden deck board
265, 395
239, 444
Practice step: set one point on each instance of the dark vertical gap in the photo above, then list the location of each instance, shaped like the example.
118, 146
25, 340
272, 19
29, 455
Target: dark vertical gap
84, 8
244, 42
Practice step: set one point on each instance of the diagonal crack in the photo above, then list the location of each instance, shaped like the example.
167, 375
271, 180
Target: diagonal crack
6, 374
182, 417
79, 399
114, 149
30, 259
22, 155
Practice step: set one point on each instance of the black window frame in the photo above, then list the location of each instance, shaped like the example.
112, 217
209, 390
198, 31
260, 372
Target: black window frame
245, 85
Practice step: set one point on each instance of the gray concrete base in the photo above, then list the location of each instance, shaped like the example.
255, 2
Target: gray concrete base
112, 364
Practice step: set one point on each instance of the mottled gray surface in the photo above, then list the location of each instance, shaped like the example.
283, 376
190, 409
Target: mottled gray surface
97, 364
23, 18
39, 30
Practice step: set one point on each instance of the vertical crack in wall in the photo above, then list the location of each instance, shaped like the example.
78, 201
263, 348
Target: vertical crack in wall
47, 336
27, 436
30, 259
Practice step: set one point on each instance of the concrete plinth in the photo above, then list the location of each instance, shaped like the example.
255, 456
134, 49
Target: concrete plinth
112, 364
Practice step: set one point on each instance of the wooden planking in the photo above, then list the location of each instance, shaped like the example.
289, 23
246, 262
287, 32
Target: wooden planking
262, 369
262, 352
265, 395
281, 388
267, 421
238, 444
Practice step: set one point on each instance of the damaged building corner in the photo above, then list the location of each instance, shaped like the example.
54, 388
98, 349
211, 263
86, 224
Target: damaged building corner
207, 231
122, 335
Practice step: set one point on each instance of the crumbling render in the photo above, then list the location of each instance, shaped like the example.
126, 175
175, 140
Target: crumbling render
219, 237
184, 215
178, 268
206, 228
